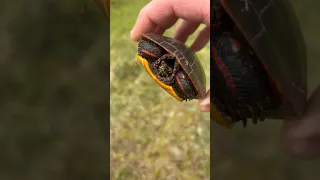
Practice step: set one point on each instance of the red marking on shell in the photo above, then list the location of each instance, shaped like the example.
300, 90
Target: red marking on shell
225, 71
180, 84
157, 48
149, 53
235, 45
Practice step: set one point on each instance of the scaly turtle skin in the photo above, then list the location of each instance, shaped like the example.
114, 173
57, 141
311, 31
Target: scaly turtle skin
173, 66
257, 61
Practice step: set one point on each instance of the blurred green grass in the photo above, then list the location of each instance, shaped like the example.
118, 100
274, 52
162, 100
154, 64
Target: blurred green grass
152, 136
54, 95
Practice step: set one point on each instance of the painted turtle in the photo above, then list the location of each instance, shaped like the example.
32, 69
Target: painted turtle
173, 66
258, 61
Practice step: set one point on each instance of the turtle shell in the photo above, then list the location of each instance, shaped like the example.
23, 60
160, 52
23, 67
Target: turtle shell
186, 58
273, 31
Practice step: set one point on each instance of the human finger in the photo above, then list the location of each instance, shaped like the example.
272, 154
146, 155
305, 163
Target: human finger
204, 104
202, 39
184, 30
301, 138
159, 30
165, 13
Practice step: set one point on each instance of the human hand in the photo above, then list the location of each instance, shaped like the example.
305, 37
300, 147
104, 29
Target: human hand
301, 138
159, 15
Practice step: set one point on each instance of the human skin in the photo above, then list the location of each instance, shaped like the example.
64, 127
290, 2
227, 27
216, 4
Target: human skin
300, 137
159, 15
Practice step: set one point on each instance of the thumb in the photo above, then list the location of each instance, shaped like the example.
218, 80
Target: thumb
301, 138
204, 104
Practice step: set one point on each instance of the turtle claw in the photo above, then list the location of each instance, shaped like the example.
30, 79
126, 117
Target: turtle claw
253, 115
244, 123
157, 63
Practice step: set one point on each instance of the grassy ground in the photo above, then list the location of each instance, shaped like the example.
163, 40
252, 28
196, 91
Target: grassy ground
152, 135
54, 96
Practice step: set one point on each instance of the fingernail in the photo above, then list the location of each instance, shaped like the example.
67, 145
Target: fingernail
131, 32
204, 108
204, 104
306, 148
299, 148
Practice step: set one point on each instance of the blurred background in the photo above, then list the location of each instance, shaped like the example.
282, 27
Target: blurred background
54, 95
152, 136
256, 152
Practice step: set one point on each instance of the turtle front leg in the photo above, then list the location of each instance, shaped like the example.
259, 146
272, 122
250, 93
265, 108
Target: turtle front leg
176, 69
162, 58
170, 79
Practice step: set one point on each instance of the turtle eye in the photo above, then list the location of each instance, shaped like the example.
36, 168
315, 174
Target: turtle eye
149, 50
